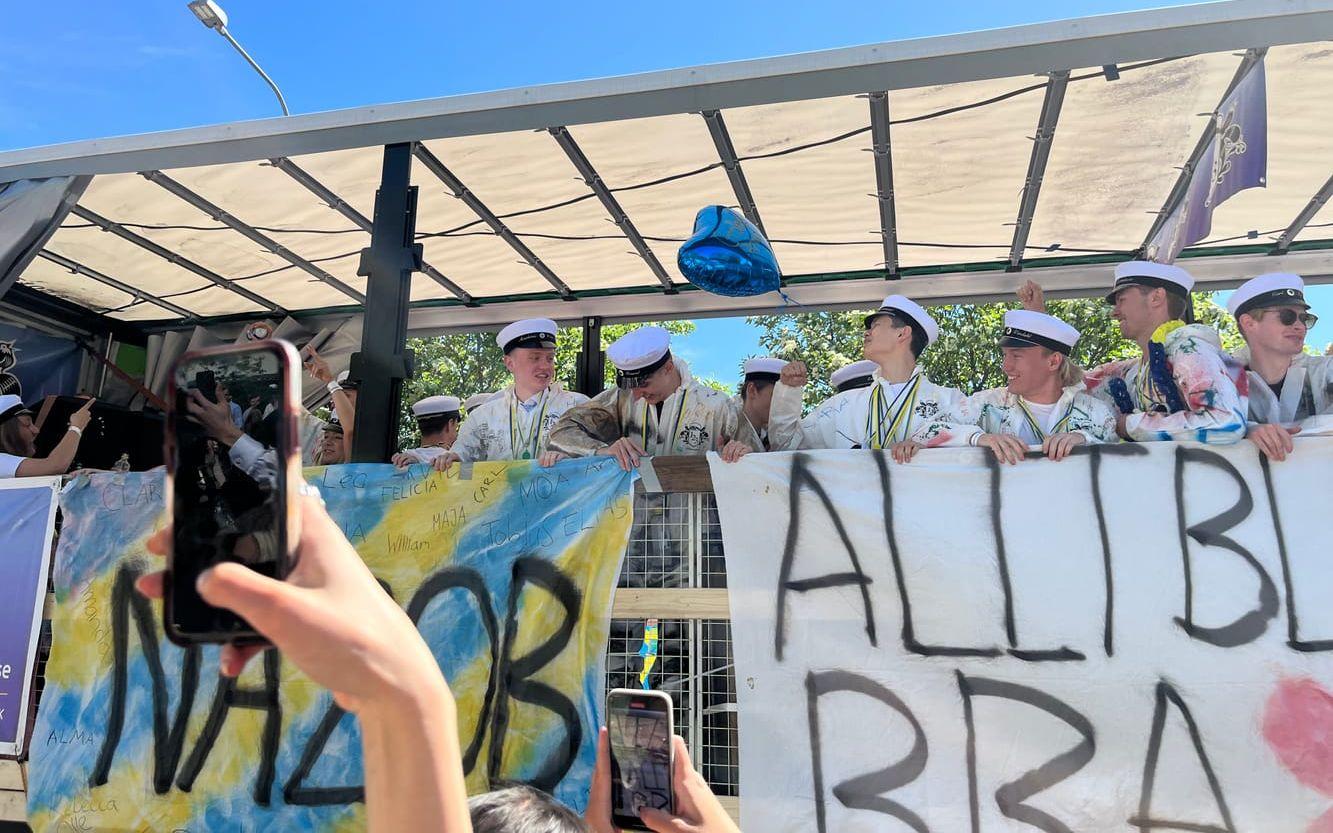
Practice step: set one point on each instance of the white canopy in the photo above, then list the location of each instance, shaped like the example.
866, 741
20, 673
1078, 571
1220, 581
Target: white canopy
575, 197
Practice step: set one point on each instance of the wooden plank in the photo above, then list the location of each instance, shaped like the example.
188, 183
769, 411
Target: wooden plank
670, 603
11, 776
13, 806
681, 474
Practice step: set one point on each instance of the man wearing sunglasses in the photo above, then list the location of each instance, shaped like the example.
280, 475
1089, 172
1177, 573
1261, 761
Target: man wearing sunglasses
657, 408
1287, 387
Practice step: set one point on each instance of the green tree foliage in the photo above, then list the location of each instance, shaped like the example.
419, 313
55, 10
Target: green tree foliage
965, 355
463, 364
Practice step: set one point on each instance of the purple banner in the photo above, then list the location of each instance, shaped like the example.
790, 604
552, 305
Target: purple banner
27, 513
1236, 159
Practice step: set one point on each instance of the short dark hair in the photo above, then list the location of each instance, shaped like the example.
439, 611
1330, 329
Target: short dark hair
919, 340
760, 385
522, 809
437, 422
1175, 306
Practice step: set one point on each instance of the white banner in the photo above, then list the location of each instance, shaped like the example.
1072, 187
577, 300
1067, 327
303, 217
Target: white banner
1139, 638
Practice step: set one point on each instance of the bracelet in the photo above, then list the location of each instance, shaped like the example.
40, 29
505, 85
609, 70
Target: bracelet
76, 429
334, 386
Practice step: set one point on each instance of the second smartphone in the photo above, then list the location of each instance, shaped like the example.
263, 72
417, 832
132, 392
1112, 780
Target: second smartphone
640, 727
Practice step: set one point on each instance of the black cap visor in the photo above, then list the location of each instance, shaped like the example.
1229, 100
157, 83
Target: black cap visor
637, 378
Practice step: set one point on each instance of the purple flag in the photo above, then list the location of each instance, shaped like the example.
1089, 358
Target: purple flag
1236, 159
27, 519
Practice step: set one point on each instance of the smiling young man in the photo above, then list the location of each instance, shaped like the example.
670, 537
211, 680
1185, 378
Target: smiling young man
900, 410
1044, 403
656, 408
516, 423
1287, 387
1182, 386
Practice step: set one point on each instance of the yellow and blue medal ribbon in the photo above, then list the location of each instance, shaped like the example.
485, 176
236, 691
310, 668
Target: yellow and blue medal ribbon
879, 413
648, 651
532, 442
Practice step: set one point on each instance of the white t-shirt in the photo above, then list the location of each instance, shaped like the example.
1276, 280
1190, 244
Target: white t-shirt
1044, 415
9, 465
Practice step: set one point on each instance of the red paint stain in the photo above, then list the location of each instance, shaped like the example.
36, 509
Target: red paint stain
1298, 725
1323, 824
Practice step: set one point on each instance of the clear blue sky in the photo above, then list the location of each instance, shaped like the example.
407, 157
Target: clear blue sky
78, 69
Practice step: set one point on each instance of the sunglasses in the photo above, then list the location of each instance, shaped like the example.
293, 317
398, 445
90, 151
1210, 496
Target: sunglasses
1287, 317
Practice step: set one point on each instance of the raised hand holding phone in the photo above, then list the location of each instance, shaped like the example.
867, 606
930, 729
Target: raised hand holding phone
221, 514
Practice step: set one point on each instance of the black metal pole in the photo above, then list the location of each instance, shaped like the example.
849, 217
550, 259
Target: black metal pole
383, 362
592, 361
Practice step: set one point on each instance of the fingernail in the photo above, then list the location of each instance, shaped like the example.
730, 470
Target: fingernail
204, 579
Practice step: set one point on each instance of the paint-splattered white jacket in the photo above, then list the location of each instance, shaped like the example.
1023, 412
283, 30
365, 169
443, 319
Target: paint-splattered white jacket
997, 411
708, 416
487, 434
842, 421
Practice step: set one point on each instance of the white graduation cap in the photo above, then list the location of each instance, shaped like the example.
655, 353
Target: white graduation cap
910, 311
1152, 275
763, 369
1025, 328
436, 406
12, 406
478, 399
530, 332
853, 376
1275, 289
344, 382
638, 354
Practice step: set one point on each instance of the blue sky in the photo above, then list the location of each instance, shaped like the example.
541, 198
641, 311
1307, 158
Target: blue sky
80, 69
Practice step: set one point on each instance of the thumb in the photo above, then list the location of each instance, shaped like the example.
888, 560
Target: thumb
660, 822
263, 602
1293, 429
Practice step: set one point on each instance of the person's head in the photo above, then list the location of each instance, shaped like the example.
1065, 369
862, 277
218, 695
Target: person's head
1146, 295
522, 809
255, 399
18, 433
644, 365
1271, 313
899, 327
1035, 348
438, 418
529, 353
225, 391
331, 450
761, 374
852, 376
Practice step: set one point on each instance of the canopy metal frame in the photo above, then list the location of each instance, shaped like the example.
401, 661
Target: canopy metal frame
166, 254
618, 216
1041, 151
243, 228
882, 148
726, 153
343, 207
473, 202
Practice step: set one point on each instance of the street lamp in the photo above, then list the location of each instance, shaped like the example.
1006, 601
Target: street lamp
211, 15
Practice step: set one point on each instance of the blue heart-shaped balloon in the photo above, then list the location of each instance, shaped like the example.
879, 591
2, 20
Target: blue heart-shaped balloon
727, 255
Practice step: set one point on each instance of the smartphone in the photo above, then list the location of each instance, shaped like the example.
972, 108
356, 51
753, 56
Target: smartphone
639, 726
229, 491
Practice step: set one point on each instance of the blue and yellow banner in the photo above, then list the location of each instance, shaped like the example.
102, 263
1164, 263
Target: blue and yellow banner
507, 569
